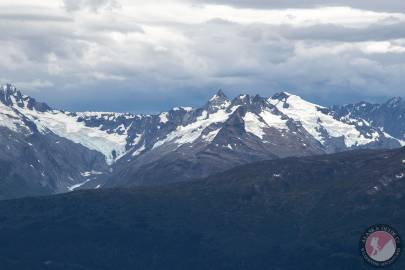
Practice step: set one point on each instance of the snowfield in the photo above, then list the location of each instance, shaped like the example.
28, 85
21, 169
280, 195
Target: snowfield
193, 131
122, 133
253, 125
314, 121
68, 127
9, 119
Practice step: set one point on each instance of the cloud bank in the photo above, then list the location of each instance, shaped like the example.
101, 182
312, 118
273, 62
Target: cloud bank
147, 57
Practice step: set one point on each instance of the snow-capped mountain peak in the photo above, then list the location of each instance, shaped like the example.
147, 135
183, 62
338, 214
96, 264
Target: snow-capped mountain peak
183, 141
388, 116
220, 95
281, 96
217, 102
11, 96
321, 123
9, 88
23, 113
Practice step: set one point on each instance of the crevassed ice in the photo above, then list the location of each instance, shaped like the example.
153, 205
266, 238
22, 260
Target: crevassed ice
68, 127
106, 115
312, 120
254, 125
273, 120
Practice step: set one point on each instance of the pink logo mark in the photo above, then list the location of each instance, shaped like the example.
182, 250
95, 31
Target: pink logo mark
380, 246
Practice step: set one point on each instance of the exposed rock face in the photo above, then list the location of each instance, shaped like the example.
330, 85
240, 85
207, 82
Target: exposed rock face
50, 151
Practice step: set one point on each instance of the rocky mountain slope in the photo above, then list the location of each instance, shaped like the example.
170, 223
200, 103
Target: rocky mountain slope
388, 116
289, 214
51, 151
34, 160
225, 133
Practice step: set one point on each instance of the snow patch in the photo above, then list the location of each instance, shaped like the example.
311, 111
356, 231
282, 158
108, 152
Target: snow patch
89, 173
137, 139
73, 187
139, 151
210, 136
163, 117
9, 119
191, 132
273, 120
187, 109
253, 125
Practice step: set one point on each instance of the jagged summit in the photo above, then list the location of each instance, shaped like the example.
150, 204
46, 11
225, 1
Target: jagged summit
220, 94
395, 102
11, 96
217, 102
8, 88
281, 96
175, 145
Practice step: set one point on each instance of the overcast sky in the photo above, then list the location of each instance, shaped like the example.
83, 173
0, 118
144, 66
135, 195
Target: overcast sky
147, 56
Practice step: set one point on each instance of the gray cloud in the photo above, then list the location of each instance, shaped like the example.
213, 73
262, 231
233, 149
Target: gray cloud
110, 62
94, 5
375, 32
375, 5
33, 17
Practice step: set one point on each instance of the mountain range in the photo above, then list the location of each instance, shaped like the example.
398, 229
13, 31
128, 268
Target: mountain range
48, 151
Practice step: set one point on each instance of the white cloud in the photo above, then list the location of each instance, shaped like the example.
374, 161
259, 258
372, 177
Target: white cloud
93, 5
161, 49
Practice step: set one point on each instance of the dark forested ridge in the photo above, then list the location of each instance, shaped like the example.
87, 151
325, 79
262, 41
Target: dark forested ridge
295, 213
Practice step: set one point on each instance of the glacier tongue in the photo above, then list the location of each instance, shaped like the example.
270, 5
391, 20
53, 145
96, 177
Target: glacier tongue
111, 145
117, 134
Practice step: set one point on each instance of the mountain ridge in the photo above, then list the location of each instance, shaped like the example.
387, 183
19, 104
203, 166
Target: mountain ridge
293, 213
124, 149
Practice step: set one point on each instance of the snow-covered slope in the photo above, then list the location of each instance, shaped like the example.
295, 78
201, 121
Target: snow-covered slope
10, 119
225, 133
388, 116
111, 145
17, 110
177, 145
321, 124
38, 154
190, 133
